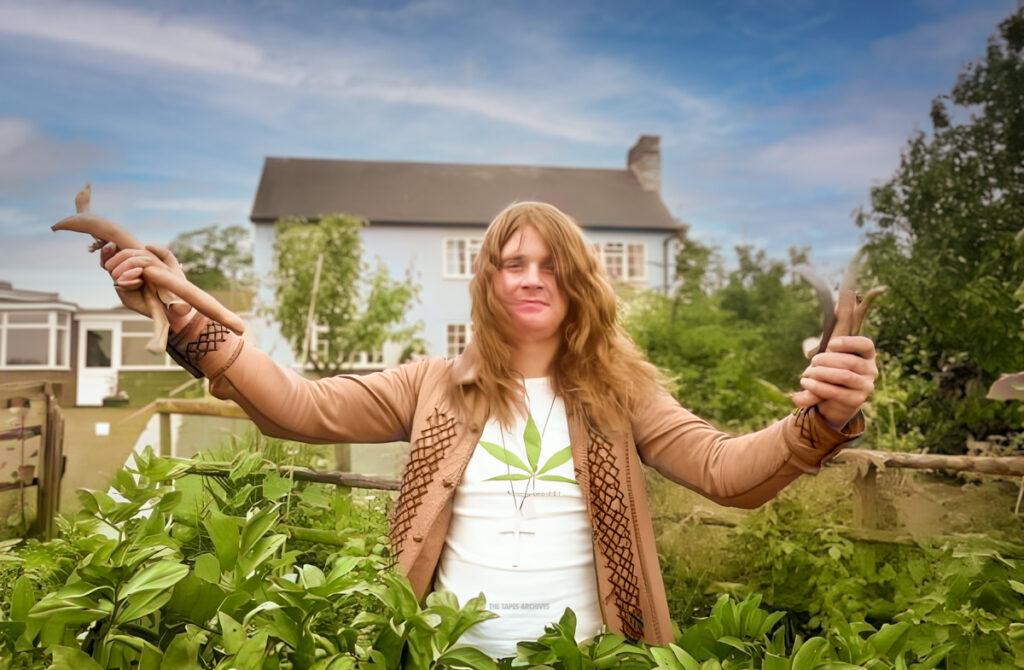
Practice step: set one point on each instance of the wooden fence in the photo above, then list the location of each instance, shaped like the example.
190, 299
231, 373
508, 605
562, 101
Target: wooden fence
39, 416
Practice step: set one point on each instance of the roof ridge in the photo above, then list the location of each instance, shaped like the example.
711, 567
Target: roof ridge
444, 164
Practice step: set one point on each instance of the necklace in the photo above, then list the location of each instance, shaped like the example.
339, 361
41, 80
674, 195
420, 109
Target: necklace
519, 505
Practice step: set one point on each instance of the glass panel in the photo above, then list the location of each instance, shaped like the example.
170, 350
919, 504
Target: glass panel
453, 257
98, 345
456, 338
474, 251
62, 337
613, 260
28, 346
133, 352
636, 261
137, 327
28, 317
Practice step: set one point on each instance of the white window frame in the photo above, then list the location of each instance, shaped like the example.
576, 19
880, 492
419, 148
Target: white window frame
467, 327
470, 249
363, 360
625, 248
52, 325
119, 364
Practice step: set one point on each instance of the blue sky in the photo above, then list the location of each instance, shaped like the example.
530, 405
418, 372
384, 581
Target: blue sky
775, 117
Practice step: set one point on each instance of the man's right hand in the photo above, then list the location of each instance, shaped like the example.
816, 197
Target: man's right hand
126, 270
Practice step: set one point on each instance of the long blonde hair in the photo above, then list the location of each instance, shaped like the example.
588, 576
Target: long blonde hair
598, 369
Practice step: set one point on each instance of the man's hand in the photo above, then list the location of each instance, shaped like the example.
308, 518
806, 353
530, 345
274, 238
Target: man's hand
126, 267
840, 379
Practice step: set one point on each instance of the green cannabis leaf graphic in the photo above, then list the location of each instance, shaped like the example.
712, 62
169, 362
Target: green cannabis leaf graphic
531, 438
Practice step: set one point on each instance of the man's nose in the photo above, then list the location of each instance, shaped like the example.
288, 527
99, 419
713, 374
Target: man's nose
532, 275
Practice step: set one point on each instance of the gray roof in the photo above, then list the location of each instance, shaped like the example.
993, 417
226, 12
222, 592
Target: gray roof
452, 193
9, 294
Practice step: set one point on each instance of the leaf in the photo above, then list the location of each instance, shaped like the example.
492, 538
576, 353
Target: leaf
508, 478
531, 437
250, 655
276, 486
557, 458
1017, 586
223, 530
468, 657
504, 455
22, 599
231, 632
142, 604
207, 568
558, 478
159, 576
809, 654
69, 658
181, 654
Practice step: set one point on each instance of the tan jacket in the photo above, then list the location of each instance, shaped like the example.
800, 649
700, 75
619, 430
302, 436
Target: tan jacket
410, 403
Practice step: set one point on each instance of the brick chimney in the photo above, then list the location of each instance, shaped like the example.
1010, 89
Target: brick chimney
644, 160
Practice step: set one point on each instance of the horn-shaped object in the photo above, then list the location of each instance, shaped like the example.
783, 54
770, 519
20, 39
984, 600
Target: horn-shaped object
161, 284
845, 316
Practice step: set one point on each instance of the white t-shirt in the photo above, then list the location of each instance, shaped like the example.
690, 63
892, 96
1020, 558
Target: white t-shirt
527, 581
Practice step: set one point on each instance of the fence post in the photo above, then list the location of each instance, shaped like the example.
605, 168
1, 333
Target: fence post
166, 448
865, 502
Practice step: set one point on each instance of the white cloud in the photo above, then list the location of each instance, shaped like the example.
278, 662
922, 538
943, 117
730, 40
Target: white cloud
126, 32
233, 206
528, 76
843, 157
28, 157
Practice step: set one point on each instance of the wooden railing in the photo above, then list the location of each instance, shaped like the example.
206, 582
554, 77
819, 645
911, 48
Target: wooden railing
868, 463
48, 425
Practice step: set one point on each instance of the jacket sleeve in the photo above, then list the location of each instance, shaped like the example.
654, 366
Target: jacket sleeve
376, 407
736, 471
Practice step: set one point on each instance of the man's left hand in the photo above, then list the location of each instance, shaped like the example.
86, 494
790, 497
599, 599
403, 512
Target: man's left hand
840, 379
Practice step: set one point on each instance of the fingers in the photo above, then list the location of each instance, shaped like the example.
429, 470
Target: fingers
853, 344
163, 253
804, 398
121, 256
830, 392
133, 263
130, 279
107, 251
841, 377
858, 364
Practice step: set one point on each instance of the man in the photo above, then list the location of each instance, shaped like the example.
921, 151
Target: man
524, 479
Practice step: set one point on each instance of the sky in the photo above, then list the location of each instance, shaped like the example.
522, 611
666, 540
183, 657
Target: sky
775, 118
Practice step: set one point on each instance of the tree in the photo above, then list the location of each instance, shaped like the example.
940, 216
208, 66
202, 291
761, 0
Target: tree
941, 236
216, 257
732, 342
355, 310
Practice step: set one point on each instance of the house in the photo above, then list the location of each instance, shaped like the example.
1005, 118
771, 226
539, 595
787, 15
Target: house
88, 354
431, 217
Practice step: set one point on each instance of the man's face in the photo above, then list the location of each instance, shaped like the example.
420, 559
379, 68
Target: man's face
525, 284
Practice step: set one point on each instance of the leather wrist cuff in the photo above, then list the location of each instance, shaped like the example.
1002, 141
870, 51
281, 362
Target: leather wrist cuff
204, 347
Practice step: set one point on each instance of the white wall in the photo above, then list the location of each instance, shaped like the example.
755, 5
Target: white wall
442, 301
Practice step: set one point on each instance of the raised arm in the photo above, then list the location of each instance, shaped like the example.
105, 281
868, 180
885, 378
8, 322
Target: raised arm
377, 407
737, 471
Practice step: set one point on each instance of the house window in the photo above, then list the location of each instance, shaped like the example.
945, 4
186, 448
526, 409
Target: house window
134, 336
320, 347
36, 339
623, 261
459, 255
458, 337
